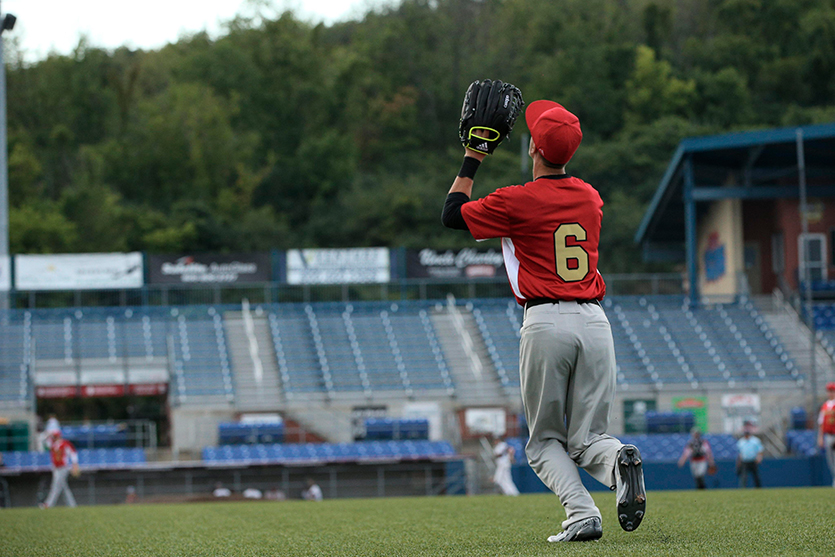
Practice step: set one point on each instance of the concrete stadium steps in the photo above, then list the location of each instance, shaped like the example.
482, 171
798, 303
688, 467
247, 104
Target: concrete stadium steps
250, 394
329, 425
469, 386
294, 432
795, 336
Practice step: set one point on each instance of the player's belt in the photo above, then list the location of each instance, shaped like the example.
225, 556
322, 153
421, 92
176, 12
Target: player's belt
540, 301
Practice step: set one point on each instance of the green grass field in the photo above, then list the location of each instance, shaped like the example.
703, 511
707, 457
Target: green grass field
681, 524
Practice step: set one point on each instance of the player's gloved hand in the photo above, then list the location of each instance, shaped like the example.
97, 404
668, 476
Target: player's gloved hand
476, 154
491, 107
76, 471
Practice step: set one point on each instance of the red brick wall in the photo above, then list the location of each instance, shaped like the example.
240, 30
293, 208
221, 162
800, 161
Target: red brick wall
763, 218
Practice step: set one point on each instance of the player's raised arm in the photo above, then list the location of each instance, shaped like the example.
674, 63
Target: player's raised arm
489, 111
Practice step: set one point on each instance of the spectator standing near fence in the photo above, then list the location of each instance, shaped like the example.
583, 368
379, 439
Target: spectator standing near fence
64, 462
748, 460
699, 453
826, 429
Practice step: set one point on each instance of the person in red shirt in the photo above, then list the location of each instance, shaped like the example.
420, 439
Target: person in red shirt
698, 451
550, 228
826, 429
64, 462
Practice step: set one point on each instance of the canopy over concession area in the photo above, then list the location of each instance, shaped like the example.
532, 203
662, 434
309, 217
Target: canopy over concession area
748, 183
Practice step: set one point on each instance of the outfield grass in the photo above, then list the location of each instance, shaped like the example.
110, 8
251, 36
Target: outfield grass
680, 524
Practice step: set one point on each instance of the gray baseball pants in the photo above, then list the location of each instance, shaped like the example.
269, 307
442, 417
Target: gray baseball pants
568, 377
829, 450
59, 484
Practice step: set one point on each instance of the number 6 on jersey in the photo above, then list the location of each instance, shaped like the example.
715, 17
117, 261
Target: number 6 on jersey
565, 253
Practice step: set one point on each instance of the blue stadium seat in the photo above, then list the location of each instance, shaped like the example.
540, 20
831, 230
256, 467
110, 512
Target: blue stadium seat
327, 452
802, 442
659, 447
358, 347
92, 458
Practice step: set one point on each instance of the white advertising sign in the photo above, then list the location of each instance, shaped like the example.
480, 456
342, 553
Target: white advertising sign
103, 377
78, 271
338, 266
5, 273
738, 409
66, 377
481, 421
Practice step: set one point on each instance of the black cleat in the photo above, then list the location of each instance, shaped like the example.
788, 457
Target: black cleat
631, 493
581, 531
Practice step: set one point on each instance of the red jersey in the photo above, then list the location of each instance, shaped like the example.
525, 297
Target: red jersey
550, 229
63, 453
826, 418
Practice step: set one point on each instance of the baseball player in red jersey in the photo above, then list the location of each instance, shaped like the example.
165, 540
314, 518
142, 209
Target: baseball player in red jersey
64, 461
826, 429
550, 228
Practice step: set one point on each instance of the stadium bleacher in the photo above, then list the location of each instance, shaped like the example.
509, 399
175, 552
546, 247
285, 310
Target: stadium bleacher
660, 447
15, 357
802, 442
87, 459
669, 422
106, 340
327, 452
108, 334
499, 322
97, 436
360, 347
659, 341
380, 429
824, 317
236, 433
663, 341
202, 371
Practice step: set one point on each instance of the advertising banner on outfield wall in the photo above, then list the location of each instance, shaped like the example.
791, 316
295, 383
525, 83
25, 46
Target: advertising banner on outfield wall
209, 268
80, 271
635, 414
338, 266
95, 391
5, 273
695, 404
464, 263
738, 409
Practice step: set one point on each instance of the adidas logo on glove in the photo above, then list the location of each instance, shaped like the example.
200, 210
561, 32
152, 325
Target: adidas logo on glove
480, 111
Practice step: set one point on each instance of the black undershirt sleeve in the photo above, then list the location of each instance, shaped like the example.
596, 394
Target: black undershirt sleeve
452, 217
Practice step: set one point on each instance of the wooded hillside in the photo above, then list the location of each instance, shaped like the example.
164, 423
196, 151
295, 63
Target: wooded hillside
283, 134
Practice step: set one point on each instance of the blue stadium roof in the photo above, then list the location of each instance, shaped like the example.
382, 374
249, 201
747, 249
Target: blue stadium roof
766, 163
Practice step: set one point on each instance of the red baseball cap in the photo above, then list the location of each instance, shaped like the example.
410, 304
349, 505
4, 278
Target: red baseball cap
830, 386
555, 131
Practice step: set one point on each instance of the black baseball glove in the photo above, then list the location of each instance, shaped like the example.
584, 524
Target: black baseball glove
491, 106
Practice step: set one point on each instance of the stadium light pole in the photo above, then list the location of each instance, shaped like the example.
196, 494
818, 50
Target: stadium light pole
804, 271
6, 24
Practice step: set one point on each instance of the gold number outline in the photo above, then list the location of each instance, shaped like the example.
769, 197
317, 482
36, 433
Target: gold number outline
560, 256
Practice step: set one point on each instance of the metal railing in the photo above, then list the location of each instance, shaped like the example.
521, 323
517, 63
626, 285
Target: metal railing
467, 341
271, 292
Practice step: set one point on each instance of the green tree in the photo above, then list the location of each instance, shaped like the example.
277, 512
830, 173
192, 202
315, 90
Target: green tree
653, 91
